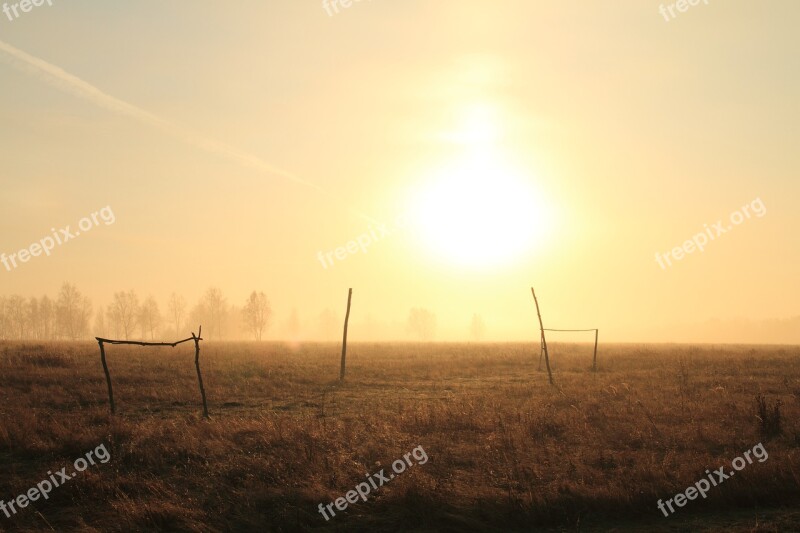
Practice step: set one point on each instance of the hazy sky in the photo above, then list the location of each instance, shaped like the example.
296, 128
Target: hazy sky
555, 144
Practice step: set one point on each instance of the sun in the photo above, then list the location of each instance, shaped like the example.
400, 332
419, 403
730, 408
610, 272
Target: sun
479, 211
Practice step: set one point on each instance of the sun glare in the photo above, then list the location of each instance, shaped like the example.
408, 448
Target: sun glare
479, 212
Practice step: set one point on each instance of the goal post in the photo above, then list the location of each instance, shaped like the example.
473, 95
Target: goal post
596, 336
544, 352
194, 338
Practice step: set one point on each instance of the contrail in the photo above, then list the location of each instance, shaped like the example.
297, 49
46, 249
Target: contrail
63, 80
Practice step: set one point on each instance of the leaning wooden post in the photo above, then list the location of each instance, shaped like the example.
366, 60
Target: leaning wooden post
344, 337
108, 376
594, 361
197, 340
544, 341
541, 352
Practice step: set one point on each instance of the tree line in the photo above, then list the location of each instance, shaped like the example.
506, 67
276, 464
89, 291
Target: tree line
70, 315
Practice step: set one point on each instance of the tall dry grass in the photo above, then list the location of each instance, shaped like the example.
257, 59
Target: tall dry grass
507, 451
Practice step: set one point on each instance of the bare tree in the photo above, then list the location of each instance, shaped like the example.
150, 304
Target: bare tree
32, 318
216, 305
476, 327
123, 312
422, 324
257, 314
47, 318
73, 311
112, 322
176, 307
3, 319
100, 329
16, 309
201, 315
149, 317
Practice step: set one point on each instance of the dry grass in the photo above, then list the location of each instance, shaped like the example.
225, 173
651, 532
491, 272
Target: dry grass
507, 451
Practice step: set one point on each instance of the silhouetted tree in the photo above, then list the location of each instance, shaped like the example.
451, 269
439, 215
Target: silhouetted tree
100, 329
73, 311
123, 312
257, 313
5, 323
176, 308
16, 308
216, 305
47, 318
149, 317
32, 318
422, 324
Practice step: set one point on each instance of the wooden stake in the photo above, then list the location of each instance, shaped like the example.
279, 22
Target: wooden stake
594, 361
541, 353
344, 338
544, 341
197, 340
108, 376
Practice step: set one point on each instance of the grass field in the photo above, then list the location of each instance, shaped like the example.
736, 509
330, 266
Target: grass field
507, 452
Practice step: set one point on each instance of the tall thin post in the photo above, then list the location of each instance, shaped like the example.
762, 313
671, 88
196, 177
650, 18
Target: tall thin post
541, 353
544, 341
594, 361
197, 340
108, 376
344, 337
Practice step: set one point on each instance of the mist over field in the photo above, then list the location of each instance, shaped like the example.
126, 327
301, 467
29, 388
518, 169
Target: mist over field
389, 265
572, 147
